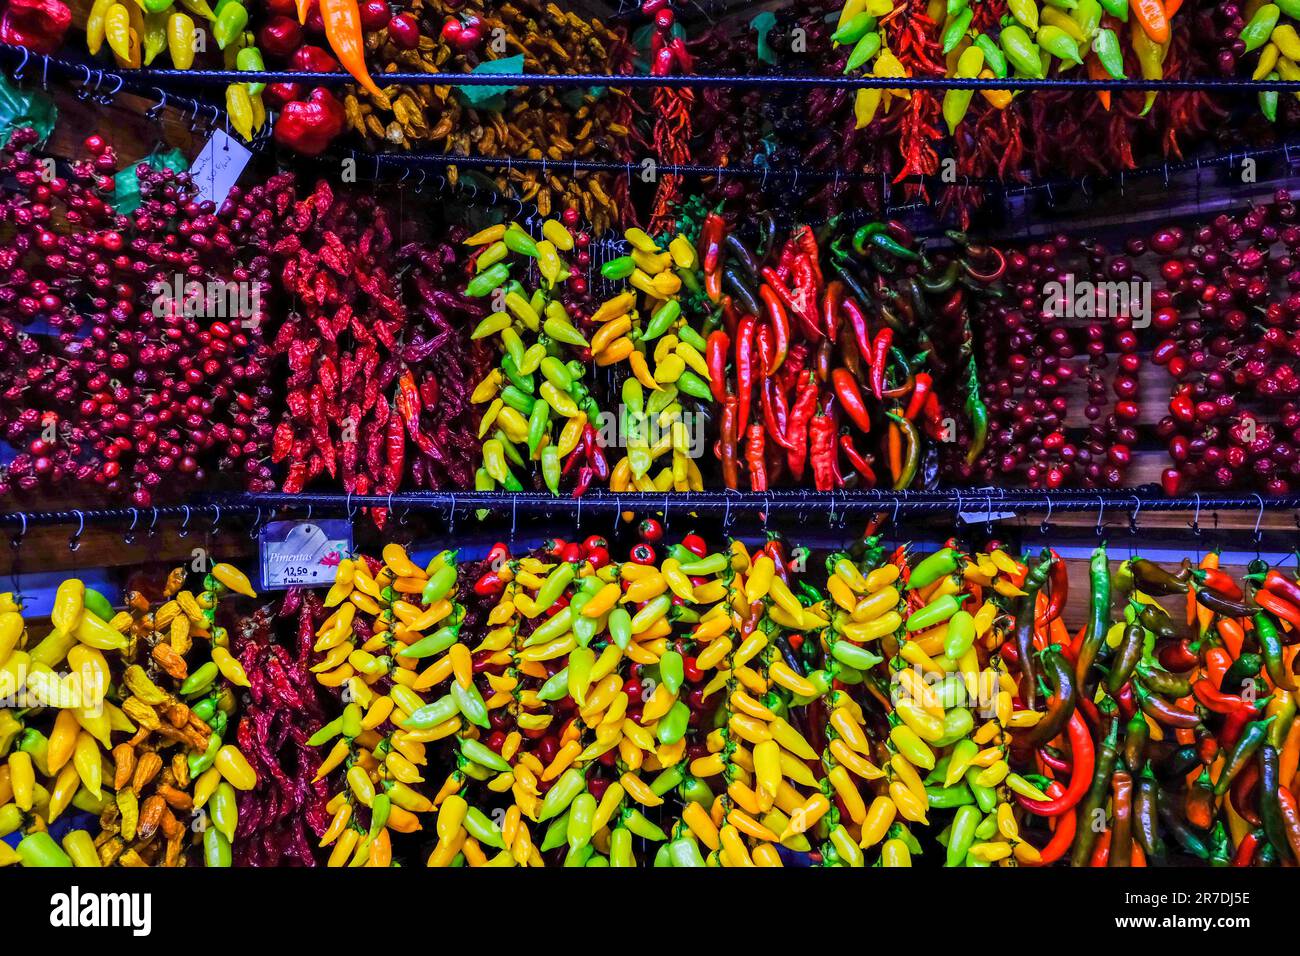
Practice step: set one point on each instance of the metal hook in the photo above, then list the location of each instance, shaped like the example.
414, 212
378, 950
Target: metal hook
216, 519
577, 518
1133, 516
185, 525
347, 504
257, 525
18, 72
1045, 527
75, 541
82, 91
152, 522
155, 111
451, 516
129, 536
16, 541
1258, 519
1196, 517
1101, 510
107, 98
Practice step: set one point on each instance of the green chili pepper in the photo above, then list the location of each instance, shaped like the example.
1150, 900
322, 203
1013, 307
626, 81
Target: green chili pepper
668, 778
95, 602
662, 319
1252, 737
435, 643
482, 829
350, 720
685, 852
946, 798
955, 32
431, 715
620, 848
470, 703
517, 240
199, 762
985, 797
671, 671
994, 58
620, 627
694, 386
39, 850
854, 30
1256, 33
556, 833
1270, 645
854, 656
957, 723
1268, 100
960, 636
1021, 51
561, 794
581, 813
936, 612
865, 48
619, 268
933, 567
249, 60
562, 330
229, 25
199, 680
216, 849
516, 399
636, 821
1109, 54
223, 810
487, 281
962, 834
672, 725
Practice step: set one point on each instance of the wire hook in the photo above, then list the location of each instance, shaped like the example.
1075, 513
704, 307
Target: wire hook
216, 520
16, 541
1045, 526
129, 536
1258, 520
75, 541
185, 525
1101, 510
18, 72
1196, 517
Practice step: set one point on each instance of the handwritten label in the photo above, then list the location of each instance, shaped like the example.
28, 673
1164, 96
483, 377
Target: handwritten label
218, 167
303, 553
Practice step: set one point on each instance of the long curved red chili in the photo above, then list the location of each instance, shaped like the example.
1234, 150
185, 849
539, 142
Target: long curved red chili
780, 325
1082, 758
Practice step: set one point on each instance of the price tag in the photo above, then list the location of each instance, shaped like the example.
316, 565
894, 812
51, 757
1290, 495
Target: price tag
303, 553
218, 167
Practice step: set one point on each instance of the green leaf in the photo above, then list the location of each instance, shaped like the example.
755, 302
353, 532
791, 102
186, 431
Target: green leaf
20, 108
126, 192
762, 24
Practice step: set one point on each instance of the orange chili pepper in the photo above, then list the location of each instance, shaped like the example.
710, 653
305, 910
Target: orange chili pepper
1098, 72
1233, 634
1217, 662
343, 30
1150, 14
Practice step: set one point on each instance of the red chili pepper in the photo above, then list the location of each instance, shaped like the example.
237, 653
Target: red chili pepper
821, 437
775, 414
922, 390
1280, 584
395, 450
806, 240
763, 341
846, 390
1214, 699
858, 322
728, 442
744, 371
801, 301
1063, 836
1060, 590
859, 462
880, 360
754, 458
585, 474
1278, 606
801, 414
715, 356
642, 553
1245, 854
489, 584
595, 456
712, 232
1082, 758
779, 323
730, 317
832, 299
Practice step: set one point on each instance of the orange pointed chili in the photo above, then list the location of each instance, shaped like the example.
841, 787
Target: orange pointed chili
343, 30
1151, 16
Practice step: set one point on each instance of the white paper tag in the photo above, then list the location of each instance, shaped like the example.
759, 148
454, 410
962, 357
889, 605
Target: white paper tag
218, 167
307, 553
983, 517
